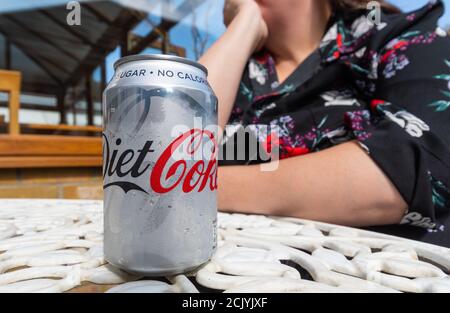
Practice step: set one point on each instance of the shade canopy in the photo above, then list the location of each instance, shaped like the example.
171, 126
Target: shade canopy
51, 54
36, 39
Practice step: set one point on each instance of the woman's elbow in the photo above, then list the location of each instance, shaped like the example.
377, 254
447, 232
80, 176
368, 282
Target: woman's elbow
391, 211
379, 212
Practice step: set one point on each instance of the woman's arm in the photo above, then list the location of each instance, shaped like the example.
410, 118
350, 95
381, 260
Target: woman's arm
227, 58
340, 185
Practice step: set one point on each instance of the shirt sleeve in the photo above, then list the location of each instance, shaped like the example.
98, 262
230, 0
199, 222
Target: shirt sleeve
408, 135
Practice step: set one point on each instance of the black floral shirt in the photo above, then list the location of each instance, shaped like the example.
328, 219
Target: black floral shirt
386, 86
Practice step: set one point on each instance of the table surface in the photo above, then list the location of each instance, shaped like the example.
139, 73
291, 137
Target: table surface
56, 246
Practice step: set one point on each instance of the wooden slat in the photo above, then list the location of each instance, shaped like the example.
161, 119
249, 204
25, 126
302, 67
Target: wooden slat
14, 100
10, 82
65, 127
49, 161
37, 145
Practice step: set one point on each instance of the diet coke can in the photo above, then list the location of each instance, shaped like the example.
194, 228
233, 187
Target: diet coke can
159, 165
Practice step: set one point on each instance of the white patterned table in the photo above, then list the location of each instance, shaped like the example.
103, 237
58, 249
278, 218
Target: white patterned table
56, 245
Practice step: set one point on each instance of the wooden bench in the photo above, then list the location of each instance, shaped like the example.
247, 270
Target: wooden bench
45, 151
30, 151
63, 127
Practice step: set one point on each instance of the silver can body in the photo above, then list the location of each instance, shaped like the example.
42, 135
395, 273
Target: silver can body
159, 166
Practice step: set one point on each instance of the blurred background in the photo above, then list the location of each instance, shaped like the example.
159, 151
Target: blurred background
53, 71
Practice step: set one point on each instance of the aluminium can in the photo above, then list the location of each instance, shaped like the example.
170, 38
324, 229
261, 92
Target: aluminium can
159, 165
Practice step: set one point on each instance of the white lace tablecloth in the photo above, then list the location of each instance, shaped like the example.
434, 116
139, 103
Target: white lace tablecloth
56, 245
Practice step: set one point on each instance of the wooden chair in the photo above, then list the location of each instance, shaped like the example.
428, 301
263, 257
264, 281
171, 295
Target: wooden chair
10, 82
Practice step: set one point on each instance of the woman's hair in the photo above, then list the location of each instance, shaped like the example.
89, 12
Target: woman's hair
362, 4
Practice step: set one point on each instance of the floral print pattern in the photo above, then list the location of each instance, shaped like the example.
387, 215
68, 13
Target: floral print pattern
410, 123
257, 72
393, 57
367, 83
442, 105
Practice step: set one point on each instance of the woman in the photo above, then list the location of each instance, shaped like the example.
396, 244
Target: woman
360, 113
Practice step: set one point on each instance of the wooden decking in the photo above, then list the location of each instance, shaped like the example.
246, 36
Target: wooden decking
63, 127
26, 151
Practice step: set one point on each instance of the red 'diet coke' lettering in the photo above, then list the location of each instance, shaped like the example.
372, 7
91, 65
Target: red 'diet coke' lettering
206, 171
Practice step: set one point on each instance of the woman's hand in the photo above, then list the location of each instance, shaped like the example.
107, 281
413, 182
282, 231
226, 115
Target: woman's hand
226, 59
250, 9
